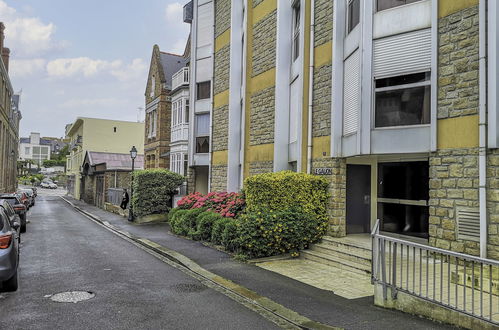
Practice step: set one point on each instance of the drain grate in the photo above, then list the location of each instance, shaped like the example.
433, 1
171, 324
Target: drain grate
72, 296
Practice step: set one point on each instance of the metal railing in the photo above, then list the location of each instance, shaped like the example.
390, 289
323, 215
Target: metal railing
115, 195
458, 281
181, 77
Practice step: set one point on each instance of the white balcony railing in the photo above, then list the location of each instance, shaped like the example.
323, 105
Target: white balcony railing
180, 78
180, 133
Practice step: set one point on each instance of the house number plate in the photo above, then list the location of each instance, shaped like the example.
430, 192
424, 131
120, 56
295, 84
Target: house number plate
323, 171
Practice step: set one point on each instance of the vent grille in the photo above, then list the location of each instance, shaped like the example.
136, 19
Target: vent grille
468, 224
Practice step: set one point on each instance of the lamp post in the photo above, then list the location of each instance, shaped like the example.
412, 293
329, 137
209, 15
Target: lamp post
133, 155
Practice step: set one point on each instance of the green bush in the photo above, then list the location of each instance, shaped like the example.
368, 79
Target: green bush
230, 235
152, 190
218, 229
287, 190
174, 217
186, 222
205, 223
264, 233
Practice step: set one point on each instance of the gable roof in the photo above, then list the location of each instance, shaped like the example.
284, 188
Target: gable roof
171, 63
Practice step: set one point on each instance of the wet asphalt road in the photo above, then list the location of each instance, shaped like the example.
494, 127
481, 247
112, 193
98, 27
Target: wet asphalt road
64, 251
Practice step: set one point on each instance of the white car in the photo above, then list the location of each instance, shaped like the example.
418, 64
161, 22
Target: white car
45, 184
52, 185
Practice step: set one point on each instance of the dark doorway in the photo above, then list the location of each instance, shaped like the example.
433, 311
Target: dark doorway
358, 216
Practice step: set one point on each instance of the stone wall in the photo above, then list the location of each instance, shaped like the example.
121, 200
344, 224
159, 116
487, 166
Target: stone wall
222, 67
220, 134
493, 204
191, 180
257, 2
222, 16
458, 64
262, 117
219, 178
321, 115
337, 189
261, 167
264, 44
323, 21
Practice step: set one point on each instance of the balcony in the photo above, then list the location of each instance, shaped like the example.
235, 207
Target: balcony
180, 78
180, 133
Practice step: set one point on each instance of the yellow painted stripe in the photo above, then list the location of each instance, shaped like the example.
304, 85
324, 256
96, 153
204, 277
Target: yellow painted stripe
263, 9
219, 157
222, 40
323, 54
260, 153
459, 132
221, 99
263, 81
321, 147
448, 7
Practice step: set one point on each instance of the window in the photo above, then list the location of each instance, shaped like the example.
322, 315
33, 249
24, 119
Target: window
153, 86
203, 90
403, 193
202, 133
387, 4
114, 129
403, 100
26, 150
296, 30
353, 14
186, 111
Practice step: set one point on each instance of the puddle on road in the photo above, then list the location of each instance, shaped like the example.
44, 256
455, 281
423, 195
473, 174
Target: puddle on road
71, 296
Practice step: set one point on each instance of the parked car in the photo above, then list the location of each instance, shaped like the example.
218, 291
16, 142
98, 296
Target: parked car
53, 186
45, 184
12, 216
30, 195
18, 207
23, 198
9, 251
35, 192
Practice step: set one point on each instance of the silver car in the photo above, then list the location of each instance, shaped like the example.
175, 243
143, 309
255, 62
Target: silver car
9, 251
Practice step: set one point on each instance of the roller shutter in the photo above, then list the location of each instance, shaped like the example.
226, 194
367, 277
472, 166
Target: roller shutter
351, 93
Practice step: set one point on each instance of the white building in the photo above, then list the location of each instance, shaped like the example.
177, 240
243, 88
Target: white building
34, 148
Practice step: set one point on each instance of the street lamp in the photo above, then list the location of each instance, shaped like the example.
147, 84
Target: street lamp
133, 155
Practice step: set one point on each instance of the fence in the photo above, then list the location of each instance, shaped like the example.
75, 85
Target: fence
115, 195
454, 280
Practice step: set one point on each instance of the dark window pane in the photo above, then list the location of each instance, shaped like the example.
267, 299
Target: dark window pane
409, 106
353, 14
202, 144
403, 180
203, 90
387, 4
402, 80
409, 220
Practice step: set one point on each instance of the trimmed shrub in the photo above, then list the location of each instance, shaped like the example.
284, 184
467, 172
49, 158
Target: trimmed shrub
264, 233
218, 229
228, 205
152, 190
186, 222
230, 235
288, 190
205, 223
173, 213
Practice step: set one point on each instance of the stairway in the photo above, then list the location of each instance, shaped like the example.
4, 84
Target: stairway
351, 253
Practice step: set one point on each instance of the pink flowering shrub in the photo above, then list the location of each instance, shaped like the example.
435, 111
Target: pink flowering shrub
228, 205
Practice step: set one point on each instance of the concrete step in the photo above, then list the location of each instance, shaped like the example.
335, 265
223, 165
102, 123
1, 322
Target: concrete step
357, 248
332, 260
360, 257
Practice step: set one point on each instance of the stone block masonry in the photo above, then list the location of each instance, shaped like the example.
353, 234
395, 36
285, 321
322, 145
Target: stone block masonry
222, 16
222, 67
458, 64
493, 204
262, 117
261, 167
323, 22
264, 44
219, 178
220, 134
321, 116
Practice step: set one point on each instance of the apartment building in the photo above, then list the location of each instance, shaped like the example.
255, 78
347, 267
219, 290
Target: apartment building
385, 99
34, 148
10, 117
87, 135
158, 107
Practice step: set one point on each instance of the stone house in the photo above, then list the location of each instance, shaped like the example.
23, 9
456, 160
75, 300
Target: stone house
158, 107
9, 122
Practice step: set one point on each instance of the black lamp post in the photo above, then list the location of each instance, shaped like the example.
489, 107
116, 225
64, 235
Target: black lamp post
133, 155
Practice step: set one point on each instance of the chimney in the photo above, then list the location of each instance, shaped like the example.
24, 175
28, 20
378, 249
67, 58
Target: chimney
2, 36
5, 58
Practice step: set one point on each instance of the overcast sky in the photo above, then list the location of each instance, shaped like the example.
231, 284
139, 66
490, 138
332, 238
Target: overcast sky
87, 58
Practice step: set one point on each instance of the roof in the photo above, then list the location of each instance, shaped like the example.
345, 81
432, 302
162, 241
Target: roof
171, 64
43, 142
114, 161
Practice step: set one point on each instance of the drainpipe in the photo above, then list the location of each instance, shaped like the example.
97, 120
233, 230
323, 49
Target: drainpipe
482, 122
311, 87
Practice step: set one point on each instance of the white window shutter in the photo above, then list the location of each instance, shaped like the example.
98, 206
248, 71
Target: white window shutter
402, 54
351, 93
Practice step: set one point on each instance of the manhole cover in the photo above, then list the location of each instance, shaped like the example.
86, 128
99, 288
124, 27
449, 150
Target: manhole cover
72, 296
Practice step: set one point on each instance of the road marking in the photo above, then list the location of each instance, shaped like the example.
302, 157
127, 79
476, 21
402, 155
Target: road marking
272, 311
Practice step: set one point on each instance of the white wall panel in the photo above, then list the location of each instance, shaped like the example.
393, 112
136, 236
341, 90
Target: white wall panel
351, 93
205, 25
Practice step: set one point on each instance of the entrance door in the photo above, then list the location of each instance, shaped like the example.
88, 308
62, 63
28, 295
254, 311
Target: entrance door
99, 191
358, 216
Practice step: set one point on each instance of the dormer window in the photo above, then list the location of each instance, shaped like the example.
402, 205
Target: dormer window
296, 30
353, 14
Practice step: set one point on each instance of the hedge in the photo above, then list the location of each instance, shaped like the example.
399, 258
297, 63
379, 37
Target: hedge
288, 190
152, 190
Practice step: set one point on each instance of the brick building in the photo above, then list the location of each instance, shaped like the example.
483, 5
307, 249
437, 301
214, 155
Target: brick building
158, 107
9, 123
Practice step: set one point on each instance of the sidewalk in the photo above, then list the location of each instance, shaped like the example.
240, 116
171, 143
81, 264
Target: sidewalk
318, 305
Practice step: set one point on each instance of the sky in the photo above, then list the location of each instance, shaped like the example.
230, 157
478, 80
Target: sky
73, 58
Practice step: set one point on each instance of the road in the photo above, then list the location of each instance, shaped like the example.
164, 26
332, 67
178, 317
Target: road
64, 251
